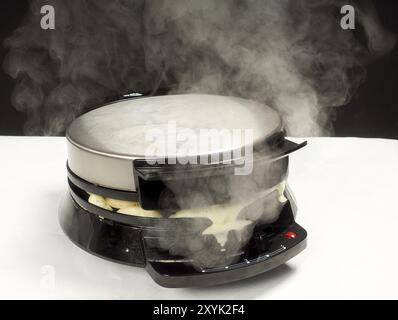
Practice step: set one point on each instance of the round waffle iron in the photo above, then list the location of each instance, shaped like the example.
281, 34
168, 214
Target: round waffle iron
191, 223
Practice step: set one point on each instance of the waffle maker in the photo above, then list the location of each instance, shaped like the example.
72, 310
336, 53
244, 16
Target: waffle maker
107, 156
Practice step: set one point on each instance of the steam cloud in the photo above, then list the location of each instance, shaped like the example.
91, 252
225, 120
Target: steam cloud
292, 55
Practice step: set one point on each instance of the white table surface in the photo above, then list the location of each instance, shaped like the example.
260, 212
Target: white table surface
346, 190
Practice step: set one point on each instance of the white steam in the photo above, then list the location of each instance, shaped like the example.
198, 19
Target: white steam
291, 54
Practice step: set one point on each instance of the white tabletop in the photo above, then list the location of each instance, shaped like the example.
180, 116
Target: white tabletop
346, 190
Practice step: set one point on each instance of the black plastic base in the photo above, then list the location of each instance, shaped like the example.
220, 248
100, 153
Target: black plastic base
270, 246
278, 255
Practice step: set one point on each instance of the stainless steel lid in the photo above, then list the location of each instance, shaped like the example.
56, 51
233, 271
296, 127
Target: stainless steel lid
102, 143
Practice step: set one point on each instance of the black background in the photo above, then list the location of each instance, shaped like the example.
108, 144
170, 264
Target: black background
373, 111
11, 15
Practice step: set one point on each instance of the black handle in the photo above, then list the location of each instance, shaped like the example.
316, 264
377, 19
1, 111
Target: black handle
166, 171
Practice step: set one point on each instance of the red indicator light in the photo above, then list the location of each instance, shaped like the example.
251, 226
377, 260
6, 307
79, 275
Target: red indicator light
290, 235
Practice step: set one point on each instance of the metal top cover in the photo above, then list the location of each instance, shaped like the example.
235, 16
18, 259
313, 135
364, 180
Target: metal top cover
102, 142
120, 129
